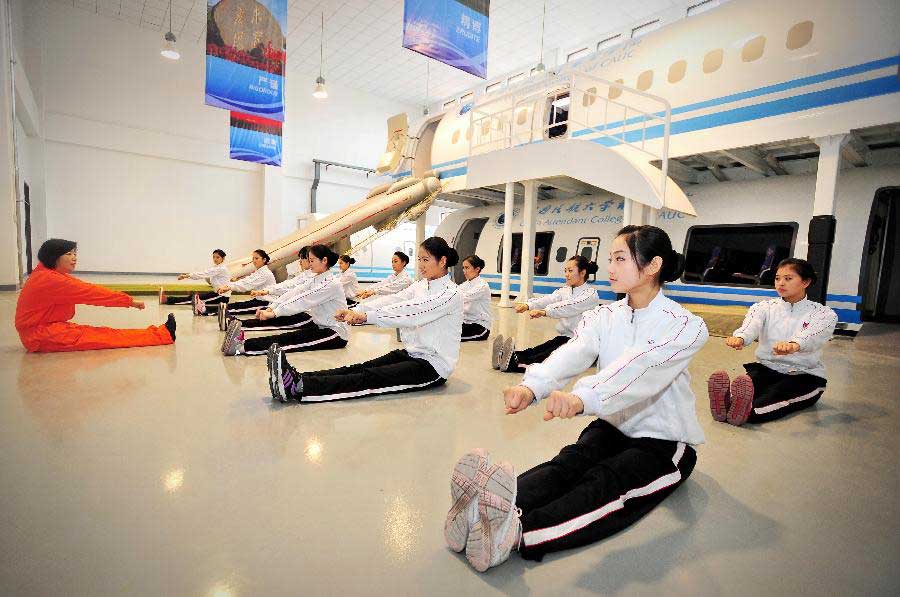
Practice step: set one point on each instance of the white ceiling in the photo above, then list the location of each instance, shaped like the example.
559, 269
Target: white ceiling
363, 37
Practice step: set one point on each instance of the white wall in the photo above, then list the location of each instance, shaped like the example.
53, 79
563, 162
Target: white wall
136, 166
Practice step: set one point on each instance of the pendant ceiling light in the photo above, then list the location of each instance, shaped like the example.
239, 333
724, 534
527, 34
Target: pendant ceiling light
540, 65
320, 91
170, 50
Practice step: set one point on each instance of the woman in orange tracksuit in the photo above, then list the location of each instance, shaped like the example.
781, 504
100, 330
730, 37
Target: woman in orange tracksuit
48, 300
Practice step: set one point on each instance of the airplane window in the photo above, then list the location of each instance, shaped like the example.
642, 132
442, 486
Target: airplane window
589, 97
713, 61
677, 70
542, 244
645, 80
753, 49
615, 92
561, 254
522, 116
737, 255
799, 35
455, 137
485, 127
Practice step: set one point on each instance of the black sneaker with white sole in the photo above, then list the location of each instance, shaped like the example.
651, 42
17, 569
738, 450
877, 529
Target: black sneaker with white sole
284, 380
220, 313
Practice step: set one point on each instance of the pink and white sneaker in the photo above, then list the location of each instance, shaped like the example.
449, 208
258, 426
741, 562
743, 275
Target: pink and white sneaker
741, 400
473, 467
719, 386
498, 528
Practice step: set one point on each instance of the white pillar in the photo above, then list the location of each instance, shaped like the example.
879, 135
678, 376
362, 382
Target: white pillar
9, 229
509, 201
529, 210
420, 237
826, 176
627, 214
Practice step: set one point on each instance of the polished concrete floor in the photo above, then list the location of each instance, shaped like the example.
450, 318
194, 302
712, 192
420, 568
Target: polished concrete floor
169, 471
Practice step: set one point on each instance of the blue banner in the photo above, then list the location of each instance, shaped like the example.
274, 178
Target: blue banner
245, 56
451, 31
255, 139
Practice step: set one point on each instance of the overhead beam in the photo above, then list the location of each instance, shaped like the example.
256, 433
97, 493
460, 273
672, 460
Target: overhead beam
774, 164
714, 168
682, 173
855, 151
750, 159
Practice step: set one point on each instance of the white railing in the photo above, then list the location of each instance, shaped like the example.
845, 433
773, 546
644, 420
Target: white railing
597, 107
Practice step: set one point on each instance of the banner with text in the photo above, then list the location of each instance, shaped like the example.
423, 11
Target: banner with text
255, 139
245, 56
452, 31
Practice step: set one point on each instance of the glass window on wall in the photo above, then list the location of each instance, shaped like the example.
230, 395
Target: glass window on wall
542, 244
738, 254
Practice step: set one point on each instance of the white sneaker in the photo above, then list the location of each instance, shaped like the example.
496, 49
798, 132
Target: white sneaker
496, 351
223, 322
497, 531
506, 353
464, 492
234, 338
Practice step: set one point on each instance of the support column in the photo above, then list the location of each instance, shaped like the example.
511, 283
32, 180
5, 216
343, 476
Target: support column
420, 237
823, 224
10, 275
509, 201
628, 212
529, 209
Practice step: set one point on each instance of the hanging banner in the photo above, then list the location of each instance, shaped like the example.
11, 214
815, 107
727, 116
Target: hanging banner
255, 139
245, 56
454, 32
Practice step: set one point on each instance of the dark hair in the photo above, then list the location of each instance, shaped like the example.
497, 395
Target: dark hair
475, 261
646, 242
438, 247
264, 255
347, 259
53, 249
303, 253
584, 265
323, 252
801, 267
220, 253
402, 256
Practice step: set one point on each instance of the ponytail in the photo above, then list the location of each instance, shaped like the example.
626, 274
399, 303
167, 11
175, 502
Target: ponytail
324, 253
437, 247
647, 242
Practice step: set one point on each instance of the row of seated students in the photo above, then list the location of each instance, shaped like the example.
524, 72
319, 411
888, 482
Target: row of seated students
637, 450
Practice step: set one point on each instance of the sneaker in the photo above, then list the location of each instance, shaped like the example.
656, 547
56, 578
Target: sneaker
498, 528
464, 489
507, 353
496, 351
283, 378
741, 400
222, 308
195, 303
719, 386
234, 338
170, 325
162, 296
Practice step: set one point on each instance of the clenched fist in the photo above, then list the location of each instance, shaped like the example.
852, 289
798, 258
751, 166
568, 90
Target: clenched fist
562, 405
517, 398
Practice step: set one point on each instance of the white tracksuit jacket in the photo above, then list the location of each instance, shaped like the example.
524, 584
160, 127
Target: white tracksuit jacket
476, 295
322, 297
350, 284
566, 304
642, 384
282, 288
429, 315
261, 278
392, 284
217, 276
807, 323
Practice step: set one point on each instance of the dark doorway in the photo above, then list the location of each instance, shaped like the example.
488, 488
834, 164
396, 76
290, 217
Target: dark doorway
26, 206
880, 277
466, 243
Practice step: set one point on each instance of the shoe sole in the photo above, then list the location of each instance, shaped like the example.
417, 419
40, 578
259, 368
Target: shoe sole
463, 489
496, 349
719, 386
741, 400
162, 296
273, 361
509, 347
230, 342
496, 511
